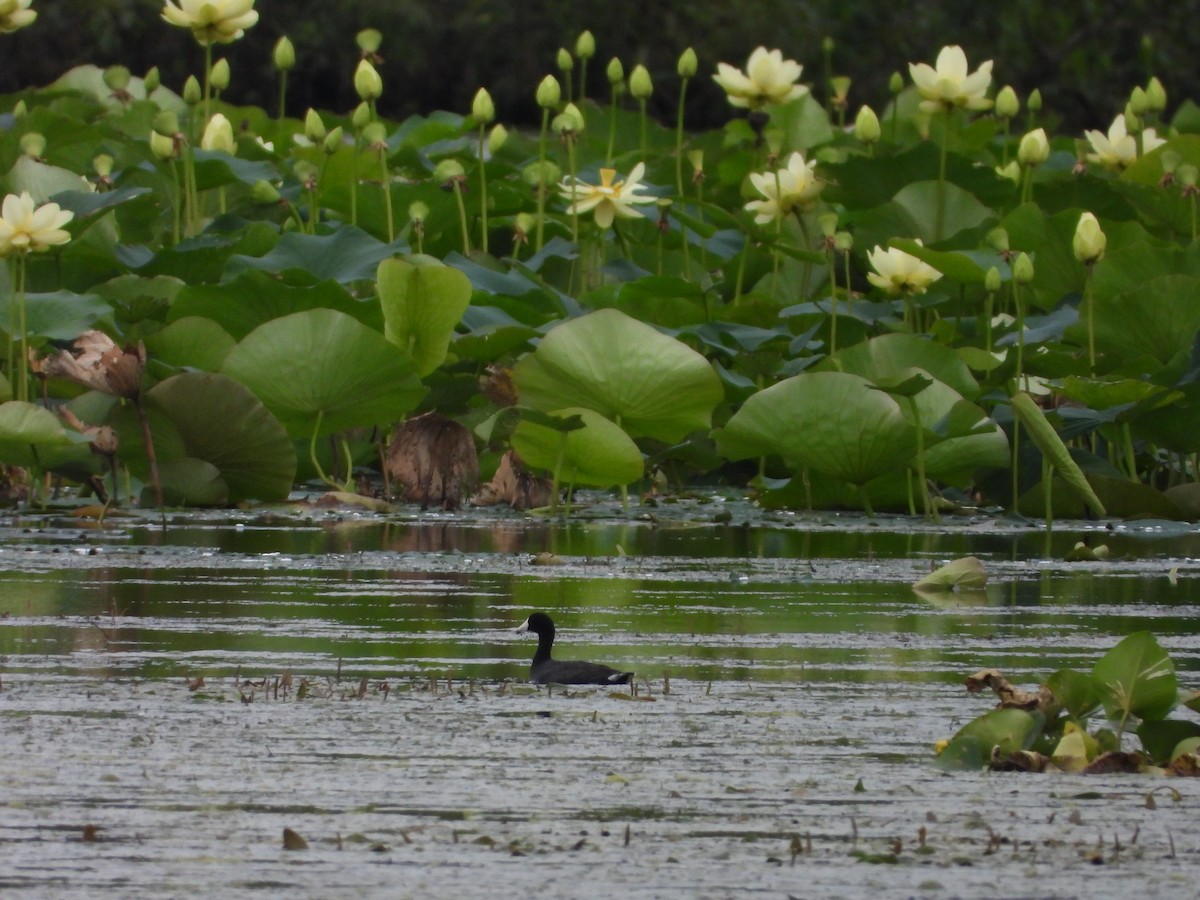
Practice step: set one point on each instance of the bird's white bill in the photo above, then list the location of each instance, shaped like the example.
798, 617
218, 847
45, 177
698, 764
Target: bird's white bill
524, 627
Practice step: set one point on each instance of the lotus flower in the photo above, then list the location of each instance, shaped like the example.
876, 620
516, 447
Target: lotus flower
898, 272
769, 79
212, 21
610, 199
25, 229
15, 14
792, 187
949, 85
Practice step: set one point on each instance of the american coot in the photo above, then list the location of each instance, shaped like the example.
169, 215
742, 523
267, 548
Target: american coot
552, 671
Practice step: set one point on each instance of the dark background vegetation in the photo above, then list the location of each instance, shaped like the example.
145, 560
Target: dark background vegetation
1084, 56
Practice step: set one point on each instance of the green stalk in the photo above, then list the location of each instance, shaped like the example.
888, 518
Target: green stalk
941, 188
207, 86
386, 178
541, 188
282, 92
833, 308
22, 363
679, 140
612, 128
642, 108
1088, 300
462, 218
483, 198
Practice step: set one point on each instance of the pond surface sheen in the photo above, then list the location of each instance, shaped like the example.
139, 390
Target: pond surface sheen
172, 698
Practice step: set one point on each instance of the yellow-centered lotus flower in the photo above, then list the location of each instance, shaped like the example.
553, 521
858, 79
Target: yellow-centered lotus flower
610, 199
769, 79
898, 272
793, 187
1114, 150
212, 21
26, 229
949, 84
15, 14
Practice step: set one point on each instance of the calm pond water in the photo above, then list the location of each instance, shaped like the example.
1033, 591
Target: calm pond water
172, 698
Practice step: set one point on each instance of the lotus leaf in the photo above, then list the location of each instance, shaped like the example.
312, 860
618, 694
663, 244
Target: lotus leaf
598, 454
1136, 678
649, 384
421, 307
322, 370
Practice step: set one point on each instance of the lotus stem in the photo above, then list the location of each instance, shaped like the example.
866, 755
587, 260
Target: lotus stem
207, 88
21, 366
150, 454
1130, 456
354, 182
679, 139
386, 180
282, 92
940, 221
833, 310
926, 499
1089, 301
645, 119
1016, 472
462, 217
1047, 493
483, 197
612, 128
865, 499
541, 187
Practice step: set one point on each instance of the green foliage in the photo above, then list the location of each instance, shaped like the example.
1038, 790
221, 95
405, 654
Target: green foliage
1134, 681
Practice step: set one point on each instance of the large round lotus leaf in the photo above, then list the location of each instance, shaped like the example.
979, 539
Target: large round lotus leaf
960, 209
193, 343
255, 298
190, 482
322, 365
889, 355
651, 384
1158, 318
421, 307
598, 454
345, 255
1136, 678
61, 315
25, 429
213, 419
833, 422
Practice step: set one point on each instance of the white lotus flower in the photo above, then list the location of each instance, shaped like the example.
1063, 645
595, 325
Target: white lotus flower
769, 79
949, 85
898, 272
611, 199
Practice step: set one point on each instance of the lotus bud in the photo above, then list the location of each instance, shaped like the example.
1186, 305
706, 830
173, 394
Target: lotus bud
1139, 102
482, 108
585, 45
449, 172
840, 85
1011, 171
1133, 123
1034, 148
102, 164
375, 136
1007, 104
843, 242
564, 61
541, 174
997, 239
33, 144
570, 120
333, 141
219, 74
828, 223
218, 136
895, 83
696, 158
991, 281
1156, 96
361, 117
525, 224
192, 92
1034, 103
151, 80
1170, 161
20, 110
166, 122
307, 173
639, 82
368, 41
314, 126
827, 44
264, 193
866, 126
688, 64
418, 212
615, 72
117, 78
162, 146
284, 55
1022, 269
1187, 175
497, 137
1089, 241
549, 93
367, 82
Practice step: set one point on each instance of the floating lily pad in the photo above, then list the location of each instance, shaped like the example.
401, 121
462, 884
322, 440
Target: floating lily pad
322, 370
651, 385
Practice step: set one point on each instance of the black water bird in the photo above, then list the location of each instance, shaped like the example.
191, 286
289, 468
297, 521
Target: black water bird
553, 671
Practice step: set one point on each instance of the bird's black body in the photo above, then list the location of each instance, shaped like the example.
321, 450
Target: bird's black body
546, 670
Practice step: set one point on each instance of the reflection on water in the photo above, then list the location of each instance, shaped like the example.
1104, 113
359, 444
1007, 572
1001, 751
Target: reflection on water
310, 595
